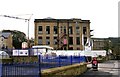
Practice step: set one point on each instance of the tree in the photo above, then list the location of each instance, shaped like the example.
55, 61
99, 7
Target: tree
18, 37
107, 45
31, 41
115, 45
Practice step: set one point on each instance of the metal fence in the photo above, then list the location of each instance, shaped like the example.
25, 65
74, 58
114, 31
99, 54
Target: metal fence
21, 69
61, 61
31, 66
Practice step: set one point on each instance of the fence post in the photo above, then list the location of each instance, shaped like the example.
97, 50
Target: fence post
59, 61
79, 59
29, 50
84, 58
71, 59
1, 68
37, 51
39, 58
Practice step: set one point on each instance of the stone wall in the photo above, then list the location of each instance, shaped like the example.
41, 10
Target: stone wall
71, 71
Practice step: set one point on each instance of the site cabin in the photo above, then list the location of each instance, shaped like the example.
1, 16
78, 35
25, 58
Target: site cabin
41, 50
4, 55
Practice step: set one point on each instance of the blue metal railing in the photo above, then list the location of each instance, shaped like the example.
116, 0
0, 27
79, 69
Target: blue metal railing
33, 68
20, 69
61, 61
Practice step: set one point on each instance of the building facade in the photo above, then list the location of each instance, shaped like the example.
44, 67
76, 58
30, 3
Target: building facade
62, 33
111, 44
114, 43
6, 40
99, 43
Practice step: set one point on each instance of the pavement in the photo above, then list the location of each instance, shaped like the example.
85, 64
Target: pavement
109, 68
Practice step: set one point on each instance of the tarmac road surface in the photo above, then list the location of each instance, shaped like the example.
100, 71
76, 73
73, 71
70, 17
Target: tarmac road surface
110, 68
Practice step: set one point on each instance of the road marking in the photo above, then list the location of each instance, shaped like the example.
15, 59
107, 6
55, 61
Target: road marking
115, 70
107, 68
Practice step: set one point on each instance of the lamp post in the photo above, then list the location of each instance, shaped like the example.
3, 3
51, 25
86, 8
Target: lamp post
28, 34
28, 20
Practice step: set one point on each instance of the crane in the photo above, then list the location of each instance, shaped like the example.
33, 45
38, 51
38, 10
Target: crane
28, 20
13, 17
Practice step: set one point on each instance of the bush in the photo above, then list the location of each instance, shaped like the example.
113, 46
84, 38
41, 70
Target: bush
118, 57
101, 59
100, 56
25, 59
8, 60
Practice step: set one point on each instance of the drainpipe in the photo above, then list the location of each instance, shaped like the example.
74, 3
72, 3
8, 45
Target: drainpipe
58, 33
68, 35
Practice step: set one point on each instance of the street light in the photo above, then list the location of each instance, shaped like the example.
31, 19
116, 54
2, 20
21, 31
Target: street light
28, 20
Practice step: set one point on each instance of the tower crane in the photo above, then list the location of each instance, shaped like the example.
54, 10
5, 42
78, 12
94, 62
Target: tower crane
28, 20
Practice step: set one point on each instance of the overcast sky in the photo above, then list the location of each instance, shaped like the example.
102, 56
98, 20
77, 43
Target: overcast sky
103, 14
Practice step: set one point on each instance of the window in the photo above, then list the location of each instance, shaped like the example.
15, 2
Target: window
55, 40
70, 30
65, 48
70, 48
77, 30
84, 30
64, 29
47, 40
39, 29
78, 40
55, 29
85, 40
71, 40
47, 29
78, 48
61, 29
39, 40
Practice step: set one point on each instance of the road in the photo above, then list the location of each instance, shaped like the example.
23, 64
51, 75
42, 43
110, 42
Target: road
107, 69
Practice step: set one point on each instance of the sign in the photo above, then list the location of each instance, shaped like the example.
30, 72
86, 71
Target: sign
39, 51
65, 41
20, 52
24, 45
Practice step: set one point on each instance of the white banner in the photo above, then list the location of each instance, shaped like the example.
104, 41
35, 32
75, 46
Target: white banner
20, 52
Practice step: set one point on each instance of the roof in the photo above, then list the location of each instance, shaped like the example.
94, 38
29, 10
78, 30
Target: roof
5, 34
3, 53
46, 47
49, 19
